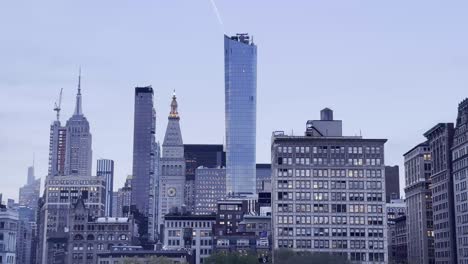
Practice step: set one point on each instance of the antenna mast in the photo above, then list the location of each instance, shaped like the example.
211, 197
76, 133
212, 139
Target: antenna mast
57, 108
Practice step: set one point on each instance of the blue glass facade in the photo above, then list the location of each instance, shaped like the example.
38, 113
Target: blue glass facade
240, 69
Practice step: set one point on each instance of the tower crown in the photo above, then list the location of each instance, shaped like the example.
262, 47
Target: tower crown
78, 108
174, 113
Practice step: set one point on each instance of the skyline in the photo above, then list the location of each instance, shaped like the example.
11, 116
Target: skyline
387, 64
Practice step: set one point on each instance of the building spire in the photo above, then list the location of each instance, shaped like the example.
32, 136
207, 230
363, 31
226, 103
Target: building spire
174, 113
78, 108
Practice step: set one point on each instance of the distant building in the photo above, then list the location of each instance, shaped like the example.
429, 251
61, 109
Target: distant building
263, 178
60, 193
78, 151
439, 139
124, 198
200, 155
395, 210
29, 193
144, 132
8, 234
230, 213
105, 168
190, 231
26, 241
329, 187
459, 158
210, 186
172, 169
392, 183
57, 148
89, 235
419, 218
115, 198
401, 236
240, 74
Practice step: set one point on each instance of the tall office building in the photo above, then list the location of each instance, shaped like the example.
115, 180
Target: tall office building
263, 173
29, 193
57, 145
200, 155
144, 131
440, 139
124, 198
172, 171
392, 183
105, 168
459, 160
78, 154
210, 186
329, 192
153, 230
240, 75
419, 204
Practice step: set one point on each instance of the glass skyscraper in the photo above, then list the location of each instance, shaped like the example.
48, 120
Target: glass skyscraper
240, 73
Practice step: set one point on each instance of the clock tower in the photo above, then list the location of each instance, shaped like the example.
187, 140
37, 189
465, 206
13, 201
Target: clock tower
172, 170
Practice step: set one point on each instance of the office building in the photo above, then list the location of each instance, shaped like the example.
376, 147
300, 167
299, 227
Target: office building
153, 219
210, 187
105, 168
392, 183
329, 192
172, 170
26, 240
197, 155
240, 75
144, 132
89, 235
439, 139
190, 231
8, 234
395, 210
459, 159
401, 237
263, 172
60, 194
124, 198
78, 151
29, 193
418, 200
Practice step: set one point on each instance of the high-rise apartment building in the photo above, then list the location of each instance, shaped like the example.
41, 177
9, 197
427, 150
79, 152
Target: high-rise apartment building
419, 218
240, 75
459, 159
144, 132
329, 192
200, 155
105, 168
440, 139
172, 170
78, 152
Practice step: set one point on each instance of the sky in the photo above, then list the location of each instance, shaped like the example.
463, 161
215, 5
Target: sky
388, 69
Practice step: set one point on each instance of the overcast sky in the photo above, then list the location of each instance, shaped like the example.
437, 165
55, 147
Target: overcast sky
389, 69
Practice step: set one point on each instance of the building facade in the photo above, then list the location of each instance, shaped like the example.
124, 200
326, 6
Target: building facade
105, 169
190, 231
401, 241
395, 210
210, 187
57, 149
419, 218
60, 193
440, 139
124, 198
240, 74
144, 132
8, 234
78, 151
172, 170
29, 193
329, 192
459, 160
392, 183
89, 236
197, 155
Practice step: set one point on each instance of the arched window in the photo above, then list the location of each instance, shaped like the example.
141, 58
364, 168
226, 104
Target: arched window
123, 237
78, 237
110, 237
100, 247
100, 237
90, 237
90, 247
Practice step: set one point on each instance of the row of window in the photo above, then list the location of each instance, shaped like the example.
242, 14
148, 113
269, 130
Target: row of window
333, 149
353, 220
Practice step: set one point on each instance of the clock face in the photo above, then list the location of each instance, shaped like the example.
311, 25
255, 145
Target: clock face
171, 192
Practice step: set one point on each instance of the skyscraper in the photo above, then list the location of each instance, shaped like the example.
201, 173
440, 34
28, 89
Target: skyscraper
440, 139
29, 193
105, 168
172, 172
392, 183
419, 216
78, 155
459, 160
144, 131
240, 75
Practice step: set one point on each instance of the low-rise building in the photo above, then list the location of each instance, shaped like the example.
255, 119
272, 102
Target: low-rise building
137, 255
8, 234
189, 231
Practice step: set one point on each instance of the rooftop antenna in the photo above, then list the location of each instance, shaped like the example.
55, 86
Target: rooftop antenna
58, 106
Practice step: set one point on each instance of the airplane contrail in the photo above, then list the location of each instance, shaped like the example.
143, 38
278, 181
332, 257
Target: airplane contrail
215, 9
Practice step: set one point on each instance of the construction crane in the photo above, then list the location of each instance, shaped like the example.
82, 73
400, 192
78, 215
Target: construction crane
57, 108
